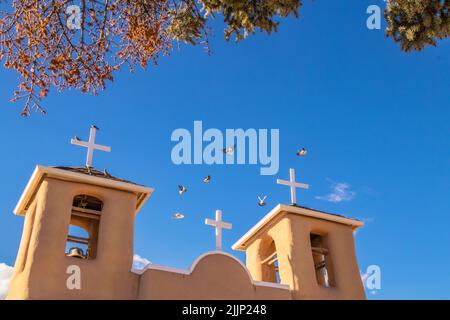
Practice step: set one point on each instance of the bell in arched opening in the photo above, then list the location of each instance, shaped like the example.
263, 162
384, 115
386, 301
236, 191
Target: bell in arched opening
76, 253
84, 226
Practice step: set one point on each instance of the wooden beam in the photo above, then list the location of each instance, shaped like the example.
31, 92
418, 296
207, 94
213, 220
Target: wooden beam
78, 240
270, 259
320, 250
87, 213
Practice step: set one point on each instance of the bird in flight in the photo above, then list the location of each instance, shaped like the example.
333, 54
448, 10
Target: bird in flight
229, 151
262, 202
177, 216
181, 189
207, 179
302, 152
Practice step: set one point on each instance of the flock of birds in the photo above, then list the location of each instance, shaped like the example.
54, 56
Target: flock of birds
229, 152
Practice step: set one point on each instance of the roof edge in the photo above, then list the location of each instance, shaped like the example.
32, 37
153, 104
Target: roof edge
280, 208
197, 262
40, 172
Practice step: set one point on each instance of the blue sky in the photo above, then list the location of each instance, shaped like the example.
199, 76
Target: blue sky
370, 115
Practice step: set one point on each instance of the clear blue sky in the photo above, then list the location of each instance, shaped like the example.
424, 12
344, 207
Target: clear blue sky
371, 116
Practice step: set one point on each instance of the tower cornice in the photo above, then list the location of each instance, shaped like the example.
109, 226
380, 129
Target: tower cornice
79, 175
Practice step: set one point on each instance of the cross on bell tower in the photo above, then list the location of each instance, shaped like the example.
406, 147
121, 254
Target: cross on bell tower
90, 145
293, 185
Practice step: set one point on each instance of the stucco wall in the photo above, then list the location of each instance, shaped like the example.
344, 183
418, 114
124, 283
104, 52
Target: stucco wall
291, 234
215, 276
42, 263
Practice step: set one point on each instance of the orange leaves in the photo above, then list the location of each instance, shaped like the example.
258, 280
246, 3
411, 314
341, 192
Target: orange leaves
36, 42
43, 93
83, 51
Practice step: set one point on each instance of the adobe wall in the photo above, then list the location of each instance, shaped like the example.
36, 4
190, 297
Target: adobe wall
291, 235
41, 264
214, 276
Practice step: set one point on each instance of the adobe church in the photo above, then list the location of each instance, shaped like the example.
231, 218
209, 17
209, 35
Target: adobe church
292, 253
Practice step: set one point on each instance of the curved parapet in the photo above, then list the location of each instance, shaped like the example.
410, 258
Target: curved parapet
213, 276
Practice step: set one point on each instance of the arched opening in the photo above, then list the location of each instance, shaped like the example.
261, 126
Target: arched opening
87, 202
269, 263
77, 242
322, 261
83, 230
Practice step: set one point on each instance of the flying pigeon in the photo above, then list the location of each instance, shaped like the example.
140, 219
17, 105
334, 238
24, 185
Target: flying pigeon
181, 189
177, 216
229, 151
262, 202
302, 152
207, 179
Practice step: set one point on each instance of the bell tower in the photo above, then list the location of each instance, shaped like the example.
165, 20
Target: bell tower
82, 217
311, 251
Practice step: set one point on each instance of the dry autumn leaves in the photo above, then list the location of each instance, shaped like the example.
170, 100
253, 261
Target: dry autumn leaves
36, 41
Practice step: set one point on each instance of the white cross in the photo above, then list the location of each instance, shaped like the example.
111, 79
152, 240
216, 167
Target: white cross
219, 225
90, 145
293, 184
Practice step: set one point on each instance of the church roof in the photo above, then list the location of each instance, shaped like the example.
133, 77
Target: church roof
291, 209
80, 175
93, 172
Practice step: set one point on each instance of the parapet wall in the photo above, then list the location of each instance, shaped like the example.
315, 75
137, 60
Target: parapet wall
214, 276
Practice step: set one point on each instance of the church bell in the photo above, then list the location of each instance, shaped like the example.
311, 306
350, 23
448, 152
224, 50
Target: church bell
76, 253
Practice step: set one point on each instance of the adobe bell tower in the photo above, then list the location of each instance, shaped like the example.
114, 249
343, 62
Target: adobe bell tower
77, 220
311, 251
76, 217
